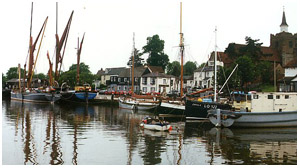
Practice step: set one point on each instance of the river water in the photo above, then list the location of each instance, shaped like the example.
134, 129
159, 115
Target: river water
43, 134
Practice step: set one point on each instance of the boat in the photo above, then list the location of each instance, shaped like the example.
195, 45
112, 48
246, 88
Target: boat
198, 109
176, 107
155, 124
81, 94
29, 93
137, 104
279, 109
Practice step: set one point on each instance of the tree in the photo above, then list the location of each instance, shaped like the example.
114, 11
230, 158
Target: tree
246, 70
252, 49
40, 76
13, 73
231, 51
174, 68
70, 76
154, 48
263, 71
189, 68
138, 61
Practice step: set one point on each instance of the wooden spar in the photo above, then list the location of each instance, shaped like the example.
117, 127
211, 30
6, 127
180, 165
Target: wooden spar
31, 54
44, 25
78, 57
132, 67
59, 44
50, 70
19, 72
181, 52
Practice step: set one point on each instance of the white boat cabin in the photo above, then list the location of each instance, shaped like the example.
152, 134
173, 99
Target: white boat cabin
267, 102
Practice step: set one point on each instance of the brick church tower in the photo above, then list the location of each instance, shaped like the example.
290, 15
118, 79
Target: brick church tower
284, 43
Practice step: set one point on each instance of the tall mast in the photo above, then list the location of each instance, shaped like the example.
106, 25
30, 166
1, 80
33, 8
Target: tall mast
215, 67
132, 67
79, 48
181, 52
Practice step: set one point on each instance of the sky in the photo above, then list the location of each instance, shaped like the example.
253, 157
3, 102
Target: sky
109, 27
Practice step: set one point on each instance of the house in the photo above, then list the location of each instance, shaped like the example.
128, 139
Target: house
289, 82
14, 83
125, 79
203, 76
110, 77
158, 82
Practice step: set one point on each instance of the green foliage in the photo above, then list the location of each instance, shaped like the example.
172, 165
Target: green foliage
13, 73
232, 83
40, 76
263, 71
189, 68
231, 51
252, 49
246, 70
85, 75
174, 68
154, 48
138, 61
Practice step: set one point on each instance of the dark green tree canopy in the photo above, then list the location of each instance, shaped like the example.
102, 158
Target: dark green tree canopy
13, 73
189, 68
154, 48
252, 49
174, 68
85, 75
138, 61
246, 69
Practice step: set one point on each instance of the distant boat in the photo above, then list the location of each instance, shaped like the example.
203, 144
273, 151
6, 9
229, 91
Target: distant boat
137, 104
155, 124
273, 109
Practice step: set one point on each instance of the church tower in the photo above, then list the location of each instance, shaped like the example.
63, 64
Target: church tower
284, 26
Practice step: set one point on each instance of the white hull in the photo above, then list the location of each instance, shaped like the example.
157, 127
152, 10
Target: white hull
260, 119
172, 106
132, 104
156, 127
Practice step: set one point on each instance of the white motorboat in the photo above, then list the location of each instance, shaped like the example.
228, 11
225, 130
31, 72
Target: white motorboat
155, 124
137, 104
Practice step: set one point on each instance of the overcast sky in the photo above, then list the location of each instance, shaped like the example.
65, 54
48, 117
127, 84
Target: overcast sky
109, 27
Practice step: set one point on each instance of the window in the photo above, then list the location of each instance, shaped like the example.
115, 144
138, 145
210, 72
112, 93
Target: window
145, 81
171, 83
119, 88
119, 79
164, 81
125, 79
270, 96
136, 79
152, 89
145, 89
152, 82
286, 96
291, 44
277, 96
255, 96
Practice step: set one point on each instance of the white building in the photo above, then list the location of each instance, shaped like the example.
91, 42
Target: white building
158, 82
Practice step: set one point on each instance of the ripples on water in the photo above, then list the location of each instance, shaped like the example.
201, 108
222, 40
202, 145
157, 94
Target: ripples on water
104, 135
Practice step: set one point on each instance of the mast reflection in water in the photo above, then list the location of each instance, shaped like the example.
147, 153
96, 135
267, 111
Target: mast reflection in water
103, 135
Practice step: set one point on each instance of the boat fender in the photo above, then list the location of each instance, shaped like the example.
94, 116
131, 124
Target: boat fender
170, 128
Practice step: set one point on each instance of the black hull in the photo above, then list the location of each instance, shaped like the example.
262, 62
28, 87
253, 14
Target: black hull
198, 110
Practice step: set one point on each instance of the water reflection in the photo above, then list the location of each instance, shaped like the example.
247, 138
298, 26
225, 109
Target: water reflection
76, 135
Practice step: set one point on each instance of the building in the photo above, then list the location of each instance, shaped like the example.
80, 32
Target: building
203, 76
158, 82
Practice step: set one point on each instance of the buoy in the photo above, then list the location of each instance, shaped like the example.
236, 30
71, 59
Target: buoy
200, 100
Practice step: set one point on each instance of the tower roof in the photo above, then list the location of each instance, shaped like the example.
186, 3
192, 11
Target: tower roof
283, 23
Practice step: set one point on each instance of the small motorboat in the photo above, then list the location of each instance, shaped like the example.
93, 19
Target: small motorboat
155, 124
